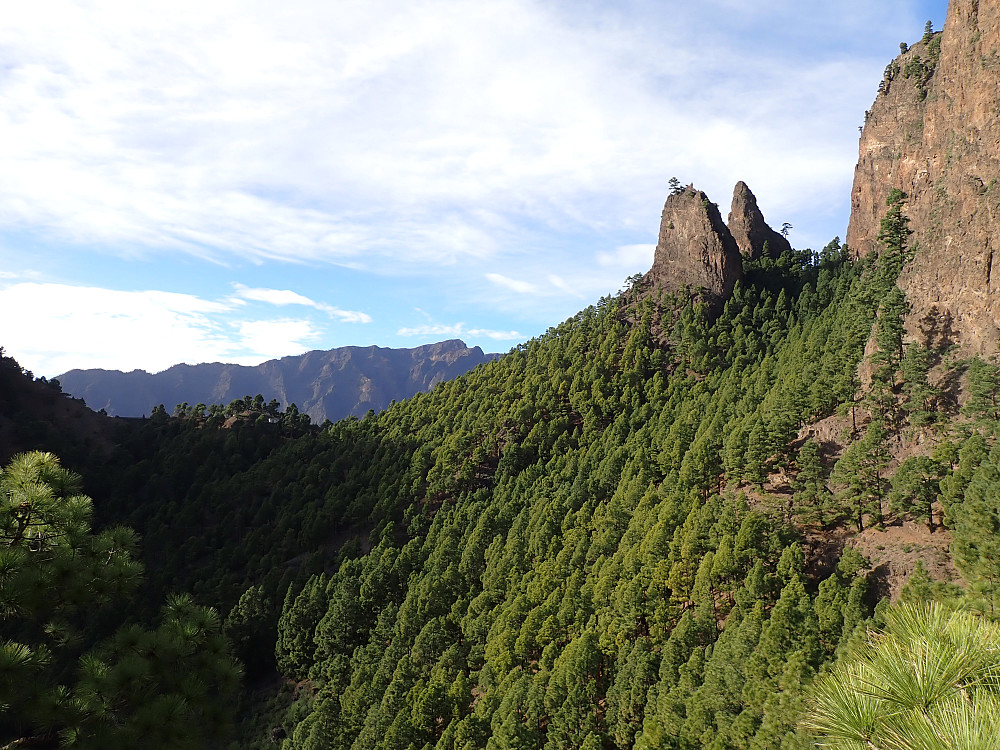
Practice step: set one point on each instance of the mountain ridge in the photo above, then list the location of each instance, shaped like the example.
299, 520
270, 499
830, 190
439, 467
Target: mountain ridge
325, 384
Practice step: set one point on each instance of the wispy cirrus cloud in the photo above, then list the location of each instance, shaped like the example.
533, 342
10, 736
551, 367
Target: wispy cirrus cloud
343, 133
514, 285
431, 329
502, 161
283, 297
456, 329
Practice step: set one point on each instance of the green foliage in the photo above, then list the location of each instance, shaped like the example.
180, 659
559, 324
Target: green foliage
929, 681
976, 519
171, 687
894, 232
915, 488
812, 500
250, 627
551, 551
983, 404
859, 473
921, 397
163, 688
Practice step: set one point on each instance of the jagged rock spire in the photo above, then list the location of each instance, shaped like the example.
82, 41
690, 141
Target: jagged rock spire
695, 251
751, 232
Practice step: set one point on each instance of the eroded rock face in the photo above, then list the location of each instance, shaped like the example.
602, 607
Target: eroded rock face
695, 250
749, 230
934, 132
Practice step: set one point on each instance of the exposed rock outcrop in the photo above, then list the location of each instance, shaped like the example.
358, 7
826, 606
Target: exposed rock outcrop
934, 132
695, 251
751, 232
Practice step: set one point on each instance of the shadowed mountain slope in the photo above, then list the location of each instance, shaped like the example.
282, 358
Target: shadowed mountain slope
324, 384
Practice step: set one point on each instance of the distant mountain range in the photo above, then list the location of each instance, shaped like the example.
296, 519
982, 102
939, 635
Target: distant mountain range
324, 384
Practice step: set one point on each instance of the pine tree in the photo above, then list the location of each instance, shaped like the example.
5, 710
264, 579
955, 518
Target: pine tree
859, 471
927, 682
915, 488
757, 455
921, 396
812, 496
977, 529
894, 232
169, 687
984, 392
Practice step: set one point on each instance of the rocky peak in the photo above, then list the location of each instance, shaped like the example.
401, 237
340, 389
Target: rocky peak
748, 228
695, 250
933, 132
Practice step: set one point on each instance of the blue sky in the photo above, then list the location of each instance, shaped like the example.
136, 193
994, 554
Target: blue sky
238, 181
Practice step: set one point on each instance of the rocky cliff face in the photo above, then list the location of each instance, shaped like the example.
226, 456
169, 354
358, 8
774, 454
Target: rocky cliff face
695, 250
934, 132
329, 384
697, 253
751, 232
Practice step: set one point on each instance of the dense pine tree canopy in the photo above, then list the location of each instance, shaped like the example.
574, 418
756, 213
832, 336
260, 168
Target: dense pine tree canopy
622, 534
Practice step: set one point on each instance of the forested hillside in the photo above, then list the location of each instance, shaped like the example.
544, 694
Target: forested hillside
751, 502
619, 535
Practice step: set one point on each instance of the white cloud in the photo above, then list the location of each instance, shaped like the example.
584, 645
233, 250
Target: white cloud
281, 297
268, 339
495, 335
63, 327
427, 132
457, 329
432, 329
347, 316
273, 296
77, 327
565, 287
514, 285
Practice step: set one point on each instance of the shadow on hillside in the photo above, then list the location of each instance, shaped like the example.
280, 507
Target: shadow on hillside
938, 331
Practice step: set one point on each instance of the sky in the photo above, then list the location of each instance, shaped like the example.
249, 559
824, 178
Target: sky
240, 181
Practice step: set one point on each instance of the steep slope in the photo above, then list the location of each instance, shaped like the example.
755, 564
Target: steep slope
540, 564
324, 384
37, 415
582, 545
934, 133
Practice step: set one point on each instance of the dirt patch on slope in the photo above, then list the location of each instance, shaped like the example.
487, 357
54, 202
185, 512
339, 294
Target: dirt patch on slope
894, 553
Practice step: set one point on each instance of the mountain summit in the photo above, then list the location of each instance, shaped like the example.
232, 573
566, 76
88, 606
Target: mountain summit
752, 234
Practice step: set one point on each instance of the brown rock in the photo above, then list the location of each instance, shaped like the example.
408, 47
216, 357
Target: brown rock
934, 132
751, 232
695, 252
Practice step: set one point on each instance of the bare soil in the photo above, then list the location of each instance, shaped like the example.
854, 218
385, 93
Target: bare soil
894, 552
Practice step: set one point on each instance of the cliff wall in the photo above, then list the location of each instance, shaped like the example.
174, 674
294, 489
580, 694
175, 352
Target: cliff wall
934, 132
